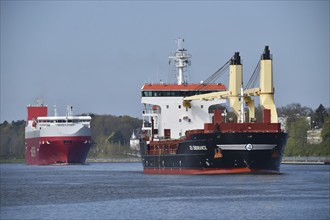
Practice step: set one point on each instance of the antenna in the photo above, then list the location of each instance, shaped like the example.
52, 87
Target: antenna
180, 44
55, 111
39, 102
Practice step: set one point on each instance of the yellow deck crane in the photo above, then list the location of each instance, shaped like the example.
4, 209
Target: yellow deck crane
237, 97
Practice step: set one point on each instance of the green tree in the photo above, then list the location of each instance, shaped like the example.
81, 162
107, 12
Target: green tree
325, 134
116, 137
320, 115
12, 139
297, 140
111, 134
294, 110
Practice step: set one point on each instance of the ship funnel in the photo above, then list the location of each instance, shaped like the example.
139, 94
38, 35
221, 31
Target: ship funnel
266, 55
36, 111
236, 59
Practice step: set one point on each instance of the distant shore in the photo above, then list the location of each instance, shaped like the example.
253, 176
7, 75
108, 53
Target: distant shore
285, 160
306, 160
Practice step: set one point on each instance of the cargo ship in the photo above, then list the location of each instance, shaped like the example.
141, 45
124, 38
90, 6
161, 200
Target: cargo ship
56, 139
184, 130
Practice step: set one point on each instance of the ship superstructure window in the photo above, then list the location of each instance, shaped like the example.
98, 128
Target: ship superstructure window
167, 106
179, 106
174, 93
57, 121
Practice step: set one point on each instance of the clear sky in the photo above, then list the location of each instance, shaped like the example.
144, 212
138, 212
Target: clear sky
95, 55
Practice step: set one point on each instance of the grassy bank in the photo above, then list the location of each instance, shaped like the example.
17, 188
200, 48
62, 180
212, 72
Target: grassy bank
13, 160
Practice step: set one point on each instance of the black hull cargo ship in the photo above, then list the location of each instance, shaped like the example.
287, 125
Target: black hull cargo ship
181, 136
250, 148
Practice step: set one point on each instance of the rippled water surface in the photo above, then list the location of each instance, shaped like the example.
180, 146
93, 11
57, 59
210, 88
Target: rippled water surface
122, 191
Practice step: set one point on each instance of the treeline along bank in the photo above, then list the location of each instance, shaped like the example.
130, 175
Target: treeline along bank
309, 133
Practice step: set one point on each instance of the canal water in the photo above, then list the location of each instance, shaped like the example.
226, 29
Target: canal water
122, 191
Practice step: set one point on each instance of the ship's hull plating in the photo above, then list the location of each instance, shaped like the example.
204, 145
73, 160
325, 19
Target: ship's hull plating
57, 150
219, 153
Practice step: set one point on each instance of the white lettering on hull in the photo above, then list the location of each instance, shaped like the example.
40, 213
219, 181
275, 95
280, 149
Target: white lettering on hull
196, 147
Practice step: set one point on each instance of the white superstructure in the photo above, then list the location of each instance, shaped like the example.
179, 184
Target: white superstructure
58, 126
164, 108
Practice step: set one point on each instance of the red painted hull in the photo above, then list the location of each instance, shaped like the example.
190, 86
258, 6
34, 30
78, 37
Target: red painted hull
57, 150
206, 171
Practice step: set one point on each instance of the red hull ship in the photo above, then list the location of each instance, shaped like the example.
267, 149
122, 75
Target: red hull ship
56, 139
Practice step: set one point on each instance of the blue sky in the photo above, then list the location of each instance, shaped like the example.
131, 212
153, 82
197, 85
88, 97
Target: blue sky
95, 55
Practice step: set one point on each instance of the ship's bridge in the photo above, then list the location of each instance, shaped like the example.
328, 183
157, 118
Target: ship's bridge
163, 103
183, 90
63, 120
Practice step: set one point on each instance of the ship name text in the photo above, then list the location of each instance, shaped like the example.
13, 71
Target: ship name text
195, 147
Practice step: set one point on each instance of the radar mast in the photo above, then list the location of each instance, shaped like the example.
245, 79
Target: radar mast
182, 60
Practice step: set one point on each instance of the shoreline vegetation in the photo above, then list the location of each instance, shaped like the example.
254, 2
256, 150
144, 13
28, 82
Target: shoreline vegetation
308, 129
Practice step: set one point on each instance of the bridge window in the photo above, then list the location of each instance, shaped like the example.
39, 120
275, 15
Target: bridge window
173, 93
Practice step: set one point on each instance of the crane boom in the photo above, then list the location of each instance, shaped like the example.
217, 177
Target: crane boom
208, 96
234, 95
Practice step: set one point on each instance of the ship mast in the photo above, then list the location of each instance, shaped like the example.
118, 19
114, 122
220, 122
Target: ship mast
55, 111
69, 110
242, 115
181, 58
